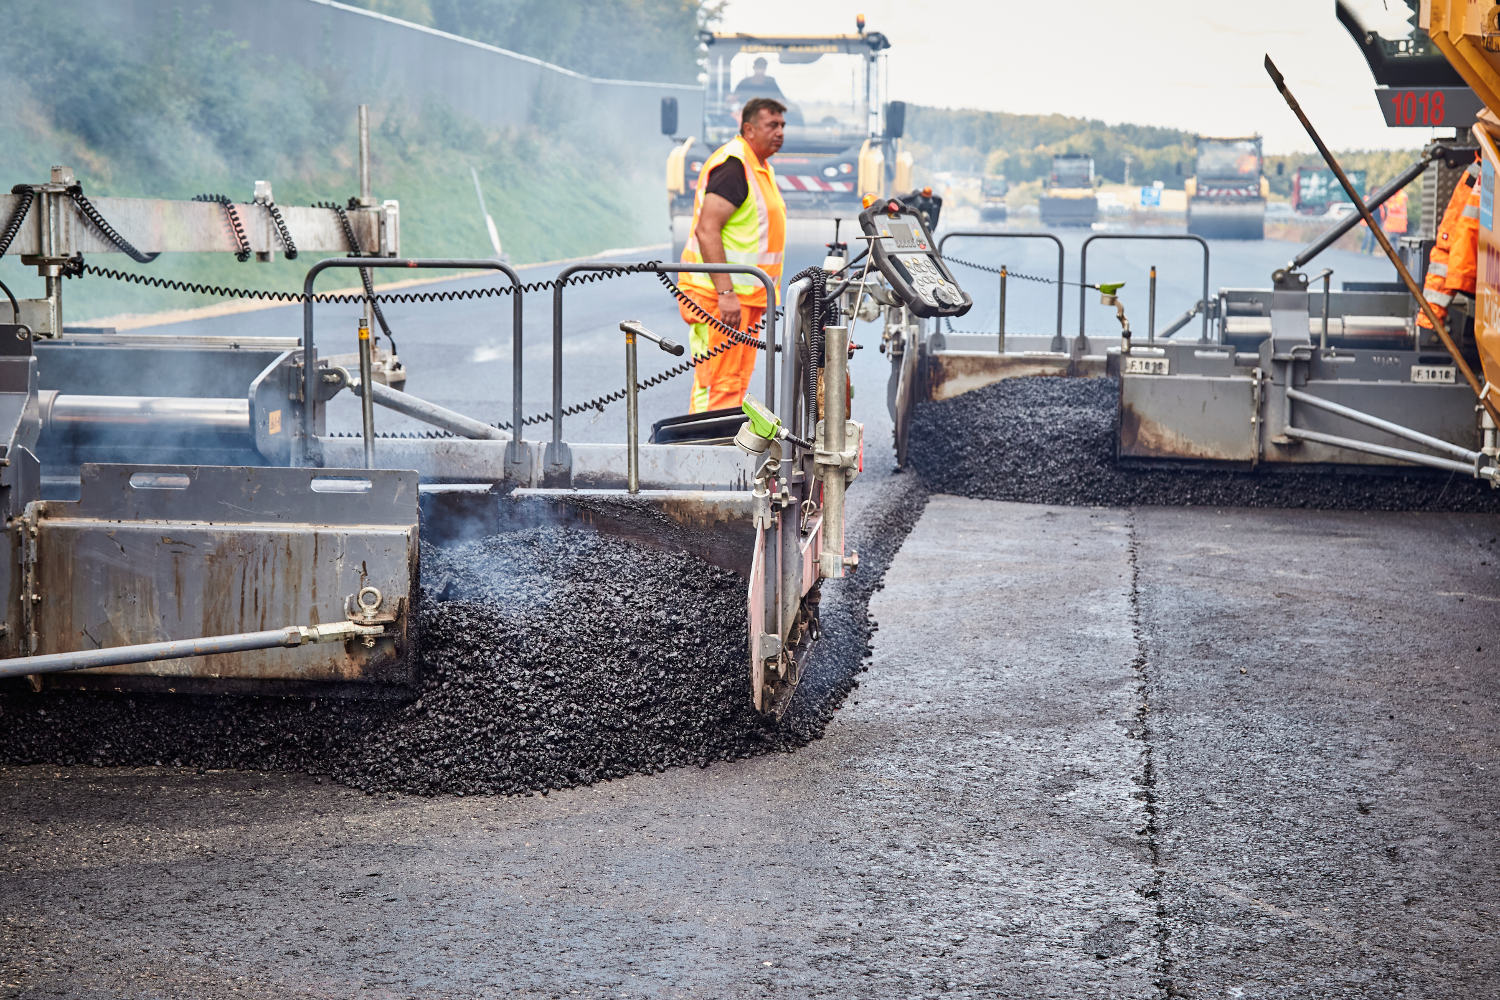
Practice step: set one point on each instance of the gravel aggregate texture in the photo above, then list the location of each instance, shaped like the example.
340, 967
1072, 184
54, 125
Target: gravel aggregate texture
551, 657
1052, 440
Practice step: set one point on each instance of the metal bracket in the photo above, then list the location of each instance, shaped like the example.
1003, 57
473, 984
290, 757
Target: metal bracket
557, 465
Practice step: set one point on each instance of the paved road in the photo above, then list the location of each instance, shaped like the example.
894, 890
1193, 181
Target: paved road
1159, 753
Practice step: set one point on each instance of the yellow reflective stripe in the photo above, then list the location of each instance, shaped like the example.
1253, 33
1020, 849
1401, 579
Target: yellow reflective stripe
698, 346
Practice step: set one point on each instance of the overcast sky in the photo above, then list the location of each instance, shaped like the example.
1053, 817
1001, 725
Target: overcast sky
1191, 64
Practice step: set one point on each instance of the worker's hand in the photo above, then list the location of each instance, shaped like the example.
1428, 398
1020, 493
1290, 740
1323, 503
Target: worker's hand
729, 310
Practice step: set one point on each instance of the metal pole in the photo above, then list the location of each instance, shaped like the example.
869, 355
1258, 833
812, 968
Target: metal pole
1415, 457
1151, 310
1377, 198
54, 284
632, 417
431, 413
1327, 277
364, 155
796, 329
367, 399
365, 201
632, 329
151, 415
1360, 417
1004, 273
1203, 332
1180, 321
240, 642
835, 479
1412, 287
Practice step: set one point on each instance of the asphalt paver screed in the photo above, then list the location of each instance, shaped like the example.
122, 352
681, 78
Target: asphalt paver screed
1052, 440
551, 657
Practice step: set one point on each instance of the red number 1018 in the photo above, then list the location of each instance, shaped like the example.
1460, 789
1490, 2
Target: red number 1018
1413, 110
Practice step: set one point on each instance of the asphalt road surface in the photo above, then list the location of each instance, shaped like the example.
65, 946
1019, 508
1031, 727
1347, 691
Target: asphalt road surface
1098, 752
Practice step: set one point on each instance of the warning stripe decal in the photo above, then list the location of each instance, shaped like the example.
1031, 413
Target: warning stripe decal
811, 182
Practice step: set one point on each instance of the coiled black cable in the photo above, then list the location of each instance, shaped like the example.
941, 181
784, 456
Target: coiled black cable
345, 298
746, 337
732, 336
364, 272
814, 360
281, 229
12, 227
236, 227
92, 214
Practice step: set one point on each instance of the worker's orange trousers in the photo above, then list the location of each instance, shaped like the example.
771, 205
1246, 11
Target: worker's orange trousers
723, 379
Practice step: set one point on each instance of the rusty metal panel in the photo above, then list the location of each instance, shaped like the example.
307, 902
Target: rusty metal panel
1187, 416
154, 553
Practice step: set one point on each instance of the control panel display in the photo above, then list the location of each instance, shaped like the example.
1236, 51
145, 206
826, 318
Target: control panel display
906, 255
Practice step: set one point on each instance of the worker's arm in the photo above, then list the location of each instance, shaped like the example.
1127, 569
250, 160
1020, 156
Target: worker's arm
710, 233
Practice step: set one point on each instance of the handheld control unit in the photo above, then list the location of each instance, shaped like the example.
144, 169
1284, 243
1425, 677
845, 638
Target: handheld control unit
906, 255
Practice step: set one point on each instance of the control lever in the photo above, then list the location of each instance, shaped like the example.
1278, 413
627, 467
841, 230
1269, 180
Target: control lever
670, 346
633, 328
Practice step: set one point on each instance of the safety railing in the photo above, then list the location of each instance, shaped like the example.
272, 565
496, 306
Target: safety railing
310, 375
557, 461
1058, 344
1083, 273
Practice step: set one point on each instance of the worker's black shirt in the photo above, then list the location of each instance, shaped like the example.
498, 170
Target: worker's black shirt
727, 180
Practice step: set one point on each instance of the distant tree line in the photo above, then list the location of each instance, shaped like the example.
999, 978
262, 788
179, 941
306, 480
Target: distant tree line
613, 39
1021, 148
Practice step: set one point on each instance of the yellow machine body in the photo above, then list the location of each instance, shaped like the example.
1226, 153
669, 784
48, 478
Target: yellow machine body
1468, 34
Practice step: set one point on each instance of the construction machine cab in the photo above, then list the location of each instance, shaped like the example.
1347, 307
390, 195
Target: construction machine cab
842, 137
830, 85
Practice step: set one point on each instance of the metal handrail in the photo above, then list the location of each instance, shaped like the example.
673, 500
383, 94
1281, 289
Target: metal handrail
1083, 271
309, 373
1057, 340
557, 461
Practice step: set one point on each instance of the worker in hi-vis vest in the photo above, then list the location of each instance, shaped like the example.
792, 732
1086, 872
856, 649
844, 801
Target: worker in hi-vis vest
1394, 215
1453, 264
738, 218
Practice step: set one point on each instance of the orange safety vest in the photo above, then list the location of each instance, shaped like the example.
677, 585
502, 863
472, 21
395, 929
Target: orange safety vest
755, 234
1395, 214
1453, 265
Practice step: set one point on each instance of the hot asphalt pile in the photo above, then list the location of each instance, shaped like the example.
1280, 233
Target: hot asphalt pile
1052, 441
551, 658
